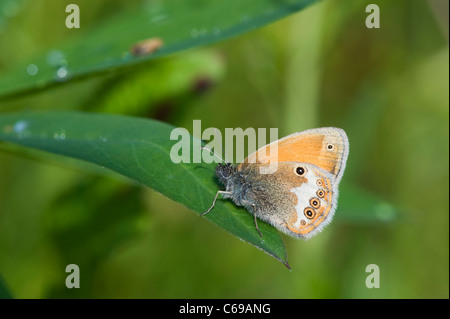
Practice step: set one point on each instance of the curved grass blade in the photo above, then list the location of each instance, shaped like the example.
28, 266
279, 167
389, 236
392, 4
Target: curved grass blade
139, 149
179, 24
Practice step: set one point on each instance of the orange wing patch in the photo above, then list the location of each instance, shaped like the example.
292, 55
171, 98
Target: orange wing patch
324, 147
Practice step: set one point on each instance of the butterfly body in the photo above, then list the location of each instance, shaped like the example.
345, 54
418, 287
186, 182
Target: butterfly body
300, 197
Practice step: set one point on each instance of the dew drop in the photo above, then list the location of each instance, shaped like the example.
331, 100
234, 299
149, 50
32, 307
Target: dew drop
59, 136
62, 73
32, 69
20, 127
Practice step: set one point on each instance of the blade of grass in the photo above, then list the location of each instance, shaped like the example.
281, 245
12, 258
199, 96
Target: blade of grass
180, 24
139, 149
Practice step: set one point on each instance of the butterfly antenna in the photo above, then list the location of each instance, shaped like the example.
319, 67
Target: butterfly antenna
222, 149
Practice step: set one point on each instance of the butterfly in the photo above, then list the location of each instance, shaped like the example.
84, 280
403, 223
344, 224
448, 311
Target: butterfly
300, 197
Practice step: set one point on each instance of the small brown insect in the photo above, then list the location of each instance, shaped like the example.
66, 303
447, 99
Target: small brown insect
146, 47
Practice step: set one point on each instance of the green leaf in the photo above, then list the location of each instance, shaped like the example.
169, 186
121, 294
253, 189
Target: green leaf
139, 149
180, 24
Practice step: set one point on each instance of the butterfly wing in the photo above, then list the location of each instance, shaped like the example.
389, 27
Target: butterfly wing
300, 198
327, 148
316, 202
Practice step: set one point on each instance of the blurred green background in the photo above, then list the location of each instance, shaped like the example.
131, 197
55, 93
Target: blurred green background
387, 87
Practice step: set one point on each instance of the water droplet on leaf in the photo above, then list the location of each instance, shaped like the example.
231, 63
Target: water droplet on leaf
62, 73
32, 69
20, 126
59, 135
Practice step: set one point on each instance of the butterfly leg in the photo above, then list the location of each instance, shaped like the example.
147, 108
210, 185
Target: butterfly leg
214, 202
256, 224
254, 215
